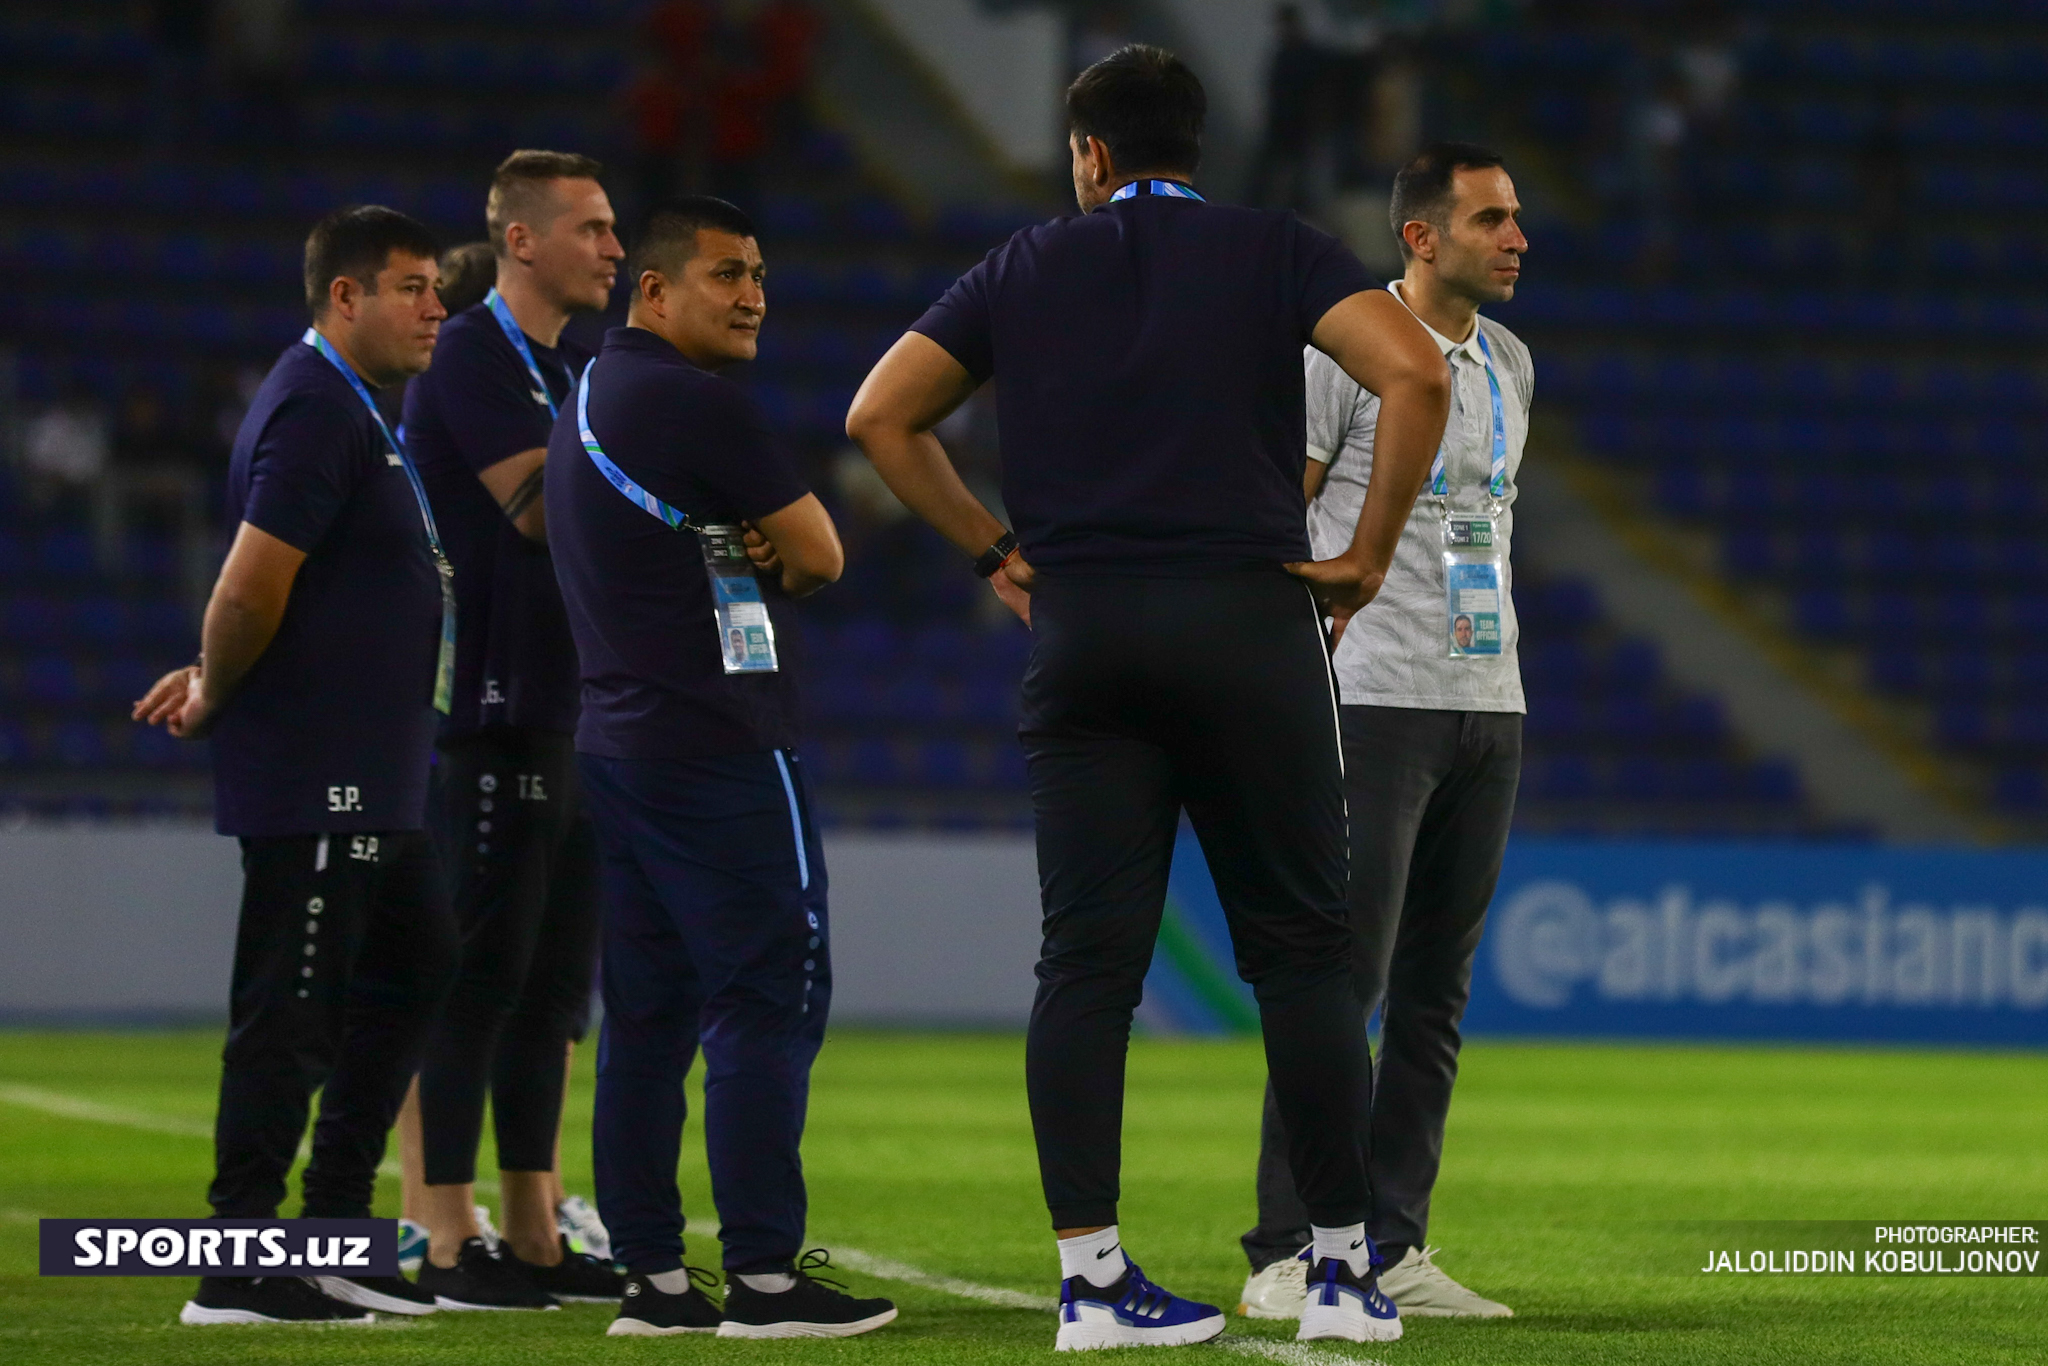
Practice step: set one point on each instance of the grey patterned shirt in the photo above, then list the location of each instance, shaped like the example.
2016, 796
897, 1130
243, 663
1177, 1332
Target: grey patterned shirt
1394, 653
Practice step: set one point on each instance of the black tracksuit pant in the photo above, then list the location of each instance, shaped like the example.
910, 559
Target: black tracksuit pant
522, 860
1432, 795
342, 953
1146, 697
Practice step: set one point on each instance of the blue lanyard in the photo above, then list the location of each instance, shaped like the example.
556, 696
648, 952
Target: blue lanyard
419, 490
444, 666
1439, 484
502, 311
1165, 189
675, 518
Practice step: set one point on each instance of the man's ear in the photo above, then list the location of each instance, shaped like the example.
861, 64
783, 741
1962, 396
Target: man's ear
343, 294
653, 289
1421, 239
1100, 162
517, 236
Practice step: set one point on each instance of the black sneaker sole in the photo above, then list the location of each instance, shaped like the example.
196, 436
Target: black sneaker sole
798, 1328
348, 1292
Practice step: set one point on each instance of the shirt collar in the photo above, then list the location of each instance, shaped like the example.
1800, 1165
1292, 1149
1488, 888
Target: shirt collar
1469, 346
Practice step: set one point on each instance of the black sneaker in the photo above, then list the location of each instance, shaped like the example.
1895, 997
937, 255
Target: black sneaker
388, 1294
266, 1299
578, 1278
480, 1281
647, 1312
815, 1307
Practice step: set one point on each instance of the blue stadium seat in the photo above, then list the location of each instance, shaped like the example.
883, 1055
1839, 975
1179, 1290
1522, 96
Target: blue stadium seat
76, 744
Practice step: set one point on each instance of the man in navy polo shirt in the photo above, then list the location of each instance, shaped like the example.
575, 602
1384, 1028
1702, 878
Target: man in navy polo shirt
520, 852
324, 656
1151, 415
712, 877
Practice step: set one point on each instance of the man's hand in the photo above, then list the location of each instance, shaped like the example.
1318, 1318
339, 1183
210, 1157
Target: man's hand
1013, 584
177, 702
1342, 588
761, 551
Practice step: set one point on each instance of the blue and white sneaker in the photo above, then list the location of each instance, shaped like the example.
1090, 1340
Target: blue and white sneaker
412, 1245
1132, 1313
1346, 1306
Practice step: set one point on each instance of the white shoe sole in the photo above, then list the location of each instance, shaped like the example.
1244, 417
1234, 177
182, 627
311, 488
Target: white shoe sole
796, 1328
587, 1299
636, 1328
1320, 1323
200, 1315
1258, 1311
1089, 1337
1415, 1311
348, 1292
443, 1302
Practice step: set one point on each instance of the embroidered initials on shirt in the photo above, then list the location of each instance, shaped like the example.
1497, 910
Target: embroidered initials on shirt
345, 798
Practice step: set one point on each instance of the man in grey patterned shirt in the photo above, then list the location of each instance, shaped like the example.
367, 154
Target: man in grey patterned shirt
1431, 713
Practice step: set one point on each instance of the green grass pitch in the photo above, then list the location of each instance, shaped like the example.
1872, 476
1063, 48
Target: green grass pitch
1562, 1164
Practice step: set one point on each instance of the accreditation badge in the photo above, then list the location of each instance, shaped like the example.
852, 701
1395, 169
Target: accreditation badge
746, 635
1473, 573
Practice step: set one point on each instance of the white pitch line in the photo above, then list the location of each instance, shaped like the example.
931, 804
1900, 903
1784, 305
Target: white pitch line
77, 1107
890, 1270
1294, 1353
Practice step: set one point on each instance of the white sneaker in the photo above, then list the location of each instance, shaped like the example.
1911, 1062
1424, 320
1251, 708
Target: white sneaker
1346, 1306
579, 1223
1278, 1292
1420, 1287
486, 1230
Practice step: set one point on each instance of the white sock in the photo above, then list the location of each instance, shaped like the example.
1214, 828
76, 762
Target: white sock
670, 1282
1347, 1243
768, 1282
1095, 1257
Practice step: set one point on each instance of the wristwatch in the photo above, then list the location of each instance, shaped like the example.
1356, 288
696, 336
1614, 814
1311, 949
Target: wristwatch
997, 555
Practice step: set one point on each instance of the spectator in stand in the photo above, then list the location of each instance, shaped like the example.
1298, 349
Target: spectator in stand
180, 29
666, 100
66, 447
786, 34
1099, 31
1280, 173
260, 46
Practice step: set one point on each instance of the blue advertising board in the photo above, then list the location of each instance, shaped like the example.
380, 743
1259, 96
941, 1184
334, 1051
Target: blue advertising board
1593, 939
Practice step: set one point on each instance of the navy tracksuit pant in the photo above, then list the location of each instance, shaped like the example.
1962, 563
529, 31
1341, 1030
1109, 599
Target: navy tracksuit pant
712, 883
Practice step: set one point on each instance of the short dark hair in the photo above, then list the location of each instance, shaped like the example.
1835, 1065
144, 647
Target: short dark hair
1145, 105
357, 242
1423, 188
519, 187
467, 274
668, 238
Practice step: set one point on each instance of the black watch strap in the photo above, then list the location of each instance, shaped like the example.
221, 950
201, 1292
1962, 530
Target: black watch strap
996, 555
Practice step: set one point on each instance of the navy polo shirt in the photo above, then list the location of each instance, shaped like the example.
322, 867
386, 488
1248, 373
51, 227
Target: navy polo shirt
332, 729
515, 664
1150, 408
638, 596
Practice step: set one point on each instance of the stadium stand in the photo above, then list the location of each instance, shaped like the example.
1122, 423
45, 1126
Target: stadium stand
165, 263
1831, 363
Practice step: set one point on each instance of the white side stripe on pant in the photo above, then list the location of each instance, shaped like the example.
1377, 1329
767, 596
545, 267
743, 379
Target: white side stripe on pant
796, 824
